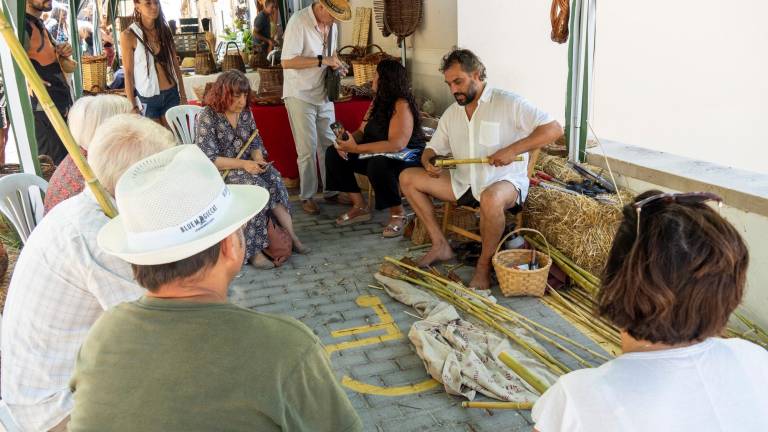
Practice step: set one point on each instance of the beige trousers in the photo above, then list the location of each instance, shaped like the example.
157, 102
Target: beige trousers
311, 127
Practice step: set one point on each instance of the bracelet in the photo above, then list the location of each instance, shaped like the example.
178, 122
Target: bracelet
319, 60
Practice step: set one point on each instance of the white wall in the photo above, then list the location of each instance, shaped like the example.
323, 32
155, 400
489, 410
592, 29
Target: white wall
512, 39
434, 37
685, 77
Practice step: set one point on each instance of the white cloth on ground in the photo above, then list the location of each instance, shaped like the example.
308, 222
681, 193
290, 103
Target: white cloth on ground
715, 385
502, 118
461, 355
61, 284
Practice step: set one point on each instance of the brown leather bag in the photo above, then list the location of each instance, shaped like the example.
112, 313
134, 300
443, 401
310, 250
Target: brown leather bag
280, 242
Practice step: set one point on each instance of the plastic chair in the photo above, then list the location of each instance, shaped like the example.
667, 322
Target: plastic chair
20, 204
182, 120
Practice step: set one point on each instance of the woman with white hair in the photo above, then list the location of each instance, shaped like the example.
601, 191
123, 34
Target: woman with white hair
84, 117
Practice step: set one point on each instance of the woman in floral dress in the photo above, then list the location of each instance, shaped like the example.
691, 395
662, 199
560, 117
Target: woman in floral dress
223, 127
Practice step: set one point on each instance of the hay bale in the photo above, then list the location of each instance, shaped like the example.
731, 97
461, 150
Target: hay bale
5, 278
558, 167
580, 227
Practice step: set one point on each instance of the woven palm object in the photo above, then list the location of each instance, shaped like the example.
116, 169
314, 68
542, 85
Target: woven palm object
94, 73
379, 9
402, 17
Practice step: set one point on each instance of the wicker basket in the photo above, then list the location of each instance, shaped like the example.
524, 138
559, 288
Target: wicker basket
232, 60
94, 73
270, 80
514, 281
204, 62
402, 17
355, 54
365, 67
46, 166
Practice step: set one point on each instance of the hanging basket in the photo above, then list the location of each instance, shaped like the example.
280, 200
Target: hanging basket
94, 73
232, 60
402, 17
514, 281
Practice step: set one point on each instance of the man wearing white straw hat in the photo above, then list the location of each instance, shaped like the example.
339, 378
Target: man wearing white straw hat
309, 48
182, 358
63, 281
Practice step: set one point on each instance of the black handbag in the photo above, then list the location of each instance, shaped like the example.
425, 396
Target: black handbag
331, 78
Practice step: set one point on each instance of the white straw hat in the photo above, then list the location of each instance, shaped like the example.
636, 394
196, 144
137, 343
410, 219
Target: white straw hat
173, 205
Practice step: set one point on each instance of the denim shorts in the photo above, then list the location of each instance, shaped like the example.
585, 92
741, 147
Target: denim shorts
155, 106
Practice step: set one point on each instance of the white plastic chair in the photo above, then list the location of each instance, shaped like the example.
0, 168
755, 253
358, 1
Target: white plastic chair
182, 120
20, 203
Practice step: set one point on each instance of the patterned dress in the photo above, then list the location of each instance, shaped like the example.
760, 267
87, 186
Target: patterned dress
65, 183
217, 138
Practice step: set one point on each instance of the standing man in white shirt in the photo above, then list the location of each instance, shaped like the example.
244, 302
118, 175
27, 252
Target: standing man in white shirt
305, 56
63, 282
484, 122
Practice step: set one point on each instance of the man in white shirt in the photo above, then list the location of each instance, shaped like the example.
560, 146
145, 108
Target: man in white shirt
63, 282
483, 123
309, 47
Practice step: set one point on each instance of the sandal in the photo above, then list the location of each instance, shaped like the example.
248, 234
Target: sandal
395, 229
346, 219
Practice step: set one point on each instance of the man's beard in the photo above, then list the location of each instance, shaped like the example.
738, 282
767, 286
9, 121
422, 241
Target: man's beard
469, 96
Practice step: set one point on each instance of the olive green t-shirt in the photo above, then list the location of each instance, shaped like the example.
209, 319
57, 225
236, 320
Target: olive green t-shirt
169, 365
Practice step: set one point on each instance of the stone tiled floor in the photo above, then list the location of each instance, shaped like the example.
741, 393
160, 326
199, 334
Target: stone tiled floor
321, 290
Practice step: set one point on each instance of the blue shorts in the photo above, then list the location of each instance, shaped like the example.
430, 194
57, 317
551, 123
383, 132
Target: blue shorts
155, 106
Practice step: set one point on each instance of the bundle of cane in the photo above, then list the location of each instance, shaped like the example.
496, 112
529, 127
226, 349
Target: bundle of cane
454, 162
493, 314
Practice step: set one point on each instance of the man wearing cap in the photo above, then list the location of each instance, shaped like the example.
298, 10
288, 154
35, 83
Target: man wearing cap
309, 47
182, 358
63, 282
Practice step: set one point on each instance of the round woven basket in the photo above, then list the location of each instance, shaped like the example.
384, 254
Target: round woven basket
94, 73
517, 282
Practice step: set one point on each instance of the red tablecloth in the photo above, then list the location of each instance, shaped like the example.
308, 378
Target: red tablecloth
275, 130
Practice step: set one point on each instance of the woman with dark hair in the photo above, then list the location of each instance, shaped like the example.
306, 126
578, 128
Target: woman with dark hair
389, 140
676, 272
153, 81
223, 128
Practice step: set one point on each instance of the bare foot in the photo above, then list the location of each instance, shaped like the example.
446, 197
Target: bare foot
482, 278
438, 252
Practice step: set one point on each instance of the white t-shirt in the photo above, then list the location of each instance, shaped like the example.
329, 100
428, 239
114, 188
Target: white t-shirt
716, 385
303, 38
61, 285
501, 119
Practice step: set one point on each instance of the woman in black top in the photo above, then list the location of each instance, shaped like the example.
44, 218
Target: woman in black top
391, 125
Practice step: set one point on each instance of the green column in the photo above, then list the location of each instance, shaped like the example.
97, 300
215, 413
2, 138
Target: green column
19, 105
74, 39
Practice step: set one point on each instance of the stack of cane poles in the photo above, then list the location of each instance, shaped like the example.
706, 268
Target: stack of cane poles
38, 88
498, 318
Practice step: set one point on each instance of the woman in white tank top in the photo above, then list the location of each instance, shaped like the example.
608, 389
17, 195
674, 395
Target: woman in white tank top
153, 81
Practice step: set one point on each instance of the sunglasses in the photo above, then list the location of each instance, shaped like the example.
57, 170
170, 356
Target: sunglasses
680, 198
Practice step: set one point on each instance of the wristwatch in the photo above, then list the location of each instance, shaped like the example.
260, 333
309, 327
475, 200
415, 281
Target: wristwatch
319, 60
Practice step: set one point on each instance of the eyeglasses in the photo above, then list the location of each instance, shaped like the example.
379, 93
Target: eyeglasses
681, 198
